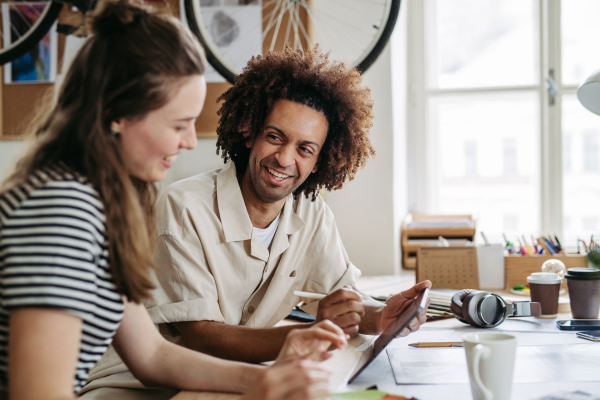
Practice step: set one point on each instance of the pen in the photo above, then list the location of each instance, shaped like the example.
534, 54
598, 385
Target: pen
485, 239
551, 246
558, 245
436, 344
523, 251
318, 296
526, 246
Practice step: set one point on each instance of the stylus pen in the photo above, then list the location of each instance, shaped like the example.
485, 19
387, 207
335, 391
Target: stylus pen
318, 296
436, 344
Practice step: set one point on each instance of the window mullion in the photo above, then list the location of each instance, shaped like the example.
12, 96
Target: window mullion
419, 174
550, 118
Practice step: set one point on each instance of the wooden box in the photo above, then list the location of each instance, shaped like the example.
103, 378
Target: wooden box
518, 268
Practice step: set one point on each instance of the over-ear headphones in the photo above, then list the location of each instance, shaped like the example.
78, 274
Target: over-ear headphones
488, 310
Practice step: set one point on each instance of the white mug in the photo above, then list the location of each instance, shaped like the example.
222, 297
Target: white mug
491, 361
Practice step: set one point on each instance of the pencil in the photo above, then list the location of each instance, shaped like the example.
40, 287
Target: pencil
318, 296
436, 344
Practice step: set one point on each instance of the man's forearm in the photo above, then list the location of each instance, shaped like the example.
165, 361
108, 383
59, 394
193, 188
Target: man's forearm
234, 342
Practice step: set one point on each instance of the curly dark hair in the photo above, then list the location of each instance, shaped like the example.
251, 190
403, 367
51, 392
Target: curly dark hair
307, 77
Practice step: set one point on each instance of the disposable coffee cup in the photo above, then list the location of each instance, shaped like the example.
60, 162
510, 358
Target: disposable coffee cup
584, 292
544, 288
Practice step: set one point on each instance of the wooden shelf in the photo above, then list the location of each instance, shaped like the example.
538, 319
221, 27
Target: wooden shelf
415, 237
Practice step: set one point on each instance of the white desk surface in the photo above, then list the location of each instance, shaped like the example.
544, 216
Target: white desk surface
380, 373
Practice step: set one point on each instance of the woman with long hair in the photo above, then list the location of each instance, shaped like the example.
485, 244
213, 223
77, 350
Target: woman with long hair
77, 226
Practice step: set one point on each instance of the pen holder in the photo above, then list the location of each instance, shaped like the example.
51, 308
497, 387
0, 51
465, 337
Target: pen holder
518, 268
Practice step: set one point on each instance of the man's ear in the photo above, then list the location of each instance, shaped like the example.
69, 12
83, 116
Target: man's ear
249, 142
315, 168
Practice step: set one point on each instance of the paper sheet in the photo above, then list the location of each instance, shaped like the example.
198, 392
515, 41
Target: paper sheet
576, 395
520, 391
511, 324
454, 335
544, 363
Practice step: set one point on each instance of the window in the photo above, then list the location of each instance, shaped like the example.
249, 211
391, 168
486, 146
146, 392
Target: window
488, 138
510, 156
566, 152
590, 152
470, 158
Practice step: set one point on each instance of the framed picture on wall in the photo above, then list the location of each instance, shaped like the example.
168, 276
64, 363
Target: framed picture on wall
38, 65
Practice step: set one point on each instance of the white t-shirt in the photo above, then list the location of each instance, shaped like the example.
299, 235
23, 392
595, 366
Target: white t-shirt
266, 235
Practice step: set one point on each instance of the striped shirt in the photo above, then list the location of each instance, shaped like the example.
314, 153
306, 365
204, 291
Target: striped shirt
54, 253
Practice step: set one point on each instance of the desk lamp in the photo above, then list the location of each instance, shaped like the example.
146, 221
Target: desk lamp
589, 93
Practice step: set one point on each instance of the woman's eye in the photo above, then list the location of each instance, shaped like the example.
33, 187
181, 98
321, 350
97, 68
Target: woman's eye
180, 128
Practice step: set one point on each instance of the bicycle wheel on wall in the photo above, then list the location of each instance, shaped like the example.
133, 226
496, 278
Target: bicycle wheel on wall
24, 24
232, 31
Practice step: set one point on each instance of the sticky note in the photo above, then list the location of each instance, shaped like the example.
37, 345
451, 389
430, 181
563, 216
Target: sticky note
367, 395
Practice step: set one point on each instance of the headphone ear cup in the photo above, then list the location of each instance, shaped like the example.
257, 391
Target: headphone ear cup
457, 305
467, 317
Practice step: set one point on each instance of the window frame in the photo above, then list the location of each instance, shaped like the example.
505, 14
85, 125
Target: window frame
421, 159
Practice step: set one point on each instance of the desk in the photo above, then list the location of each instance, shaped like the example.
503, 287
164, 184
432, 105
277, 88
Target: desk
380, 371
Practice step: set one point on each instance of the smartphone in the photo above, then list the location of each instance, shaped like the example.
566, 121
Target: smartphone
593, 335
579, 325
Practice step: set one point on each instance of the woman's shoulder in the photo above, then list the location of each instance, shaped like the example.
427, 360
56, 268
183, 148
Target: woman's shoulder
54, 192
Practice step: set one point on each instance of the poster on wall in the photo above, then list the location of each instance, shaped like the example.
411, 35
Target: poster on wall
235, 27
38, 65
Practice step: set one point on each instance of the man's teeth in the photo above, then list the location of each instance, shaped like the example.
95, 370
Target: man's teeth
170, 158
277, 175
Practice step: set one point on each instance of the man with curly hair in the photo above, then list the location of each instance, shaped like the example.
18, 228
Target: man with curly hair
235, 243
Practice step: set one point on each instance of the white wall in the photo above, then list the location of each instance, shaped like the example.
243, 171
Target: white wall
9, 152
369, 210
189, 162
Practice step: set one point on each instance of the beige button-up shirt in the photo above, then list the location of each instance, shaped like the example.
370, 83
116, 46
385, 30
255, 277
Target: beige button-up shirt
211, 265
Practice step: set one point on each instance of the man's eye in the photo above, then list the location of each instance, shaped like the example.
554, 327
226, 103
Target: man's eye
306, 150
273, 137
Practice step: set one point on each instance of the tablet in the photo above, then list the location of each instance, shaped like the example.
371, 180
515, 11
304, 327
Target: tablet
390, 333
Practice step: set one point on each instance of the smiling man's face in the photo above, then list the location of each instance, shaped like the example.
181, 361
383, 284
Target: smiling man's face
286, 152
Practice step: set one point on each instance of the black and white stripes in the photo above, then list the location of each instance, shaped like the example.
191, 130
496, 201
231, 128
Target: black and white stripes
53, 253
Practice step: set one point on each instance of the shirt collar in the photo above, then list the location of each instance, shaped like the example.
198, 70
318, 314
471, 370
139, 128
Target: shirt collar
234, 216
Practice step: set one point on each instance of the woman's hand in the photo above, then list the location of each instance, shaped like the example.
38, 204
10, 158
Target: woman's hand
293, 380
312, 343
295, 375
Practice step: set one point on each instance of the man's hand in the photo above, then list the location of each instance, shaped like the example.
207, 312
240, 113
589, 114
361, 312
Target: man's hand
398, 303
312, 343
344, 308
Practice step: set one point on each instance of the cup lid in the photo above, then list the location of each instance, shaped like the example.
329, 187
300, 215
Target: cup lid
546, 278
583, 274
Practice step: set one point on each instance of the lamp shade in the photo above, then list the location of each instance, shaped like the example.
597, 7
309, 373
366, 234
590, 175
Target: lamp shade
589, 93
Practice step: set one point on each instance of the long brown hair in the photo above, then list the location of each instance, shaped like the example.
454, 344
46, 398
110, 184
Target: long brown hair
133, 64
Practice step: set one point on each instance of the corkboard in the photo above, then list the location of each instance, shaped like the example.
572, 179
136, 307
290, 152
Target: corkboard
20, 103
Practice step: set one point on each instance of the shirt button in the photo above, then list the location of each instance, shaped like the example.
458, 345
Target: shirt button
250, 309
